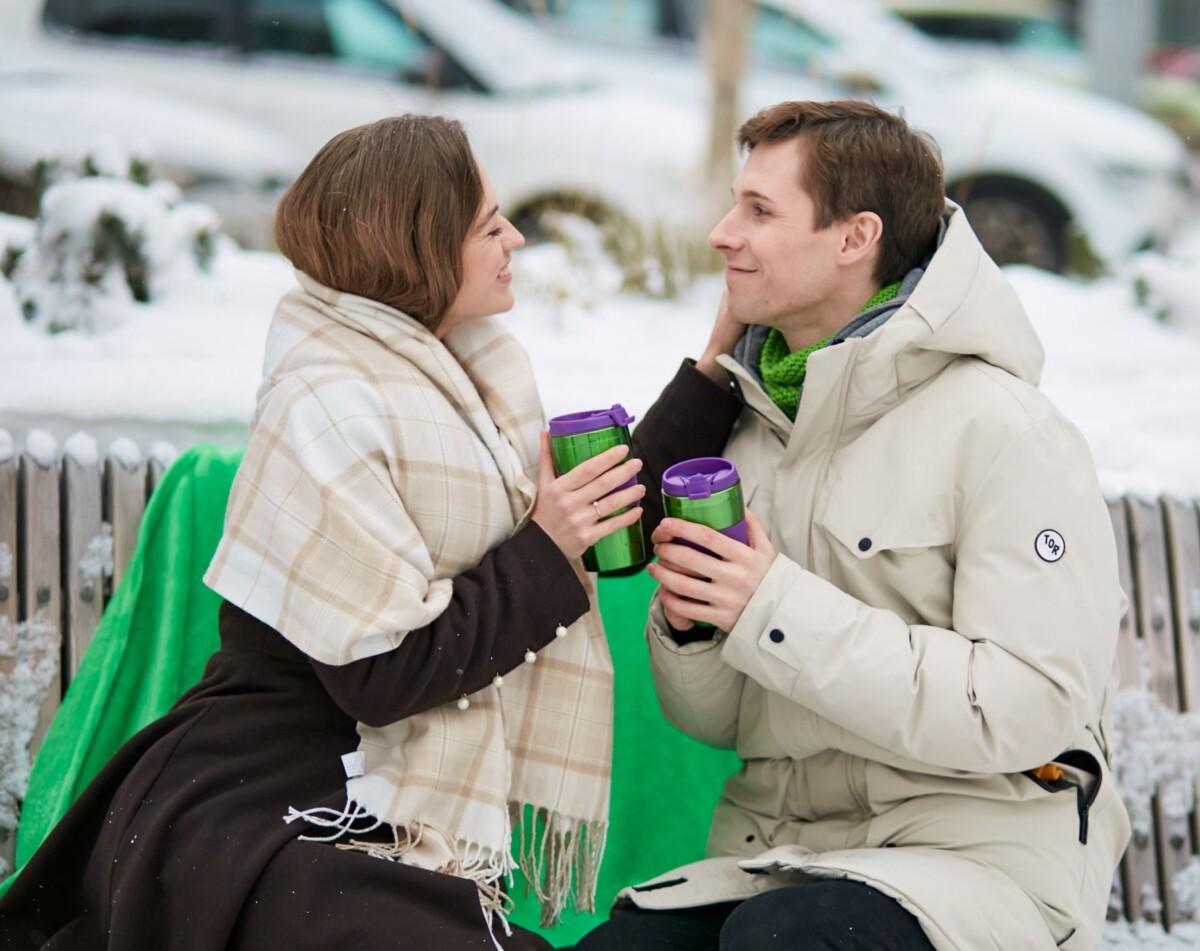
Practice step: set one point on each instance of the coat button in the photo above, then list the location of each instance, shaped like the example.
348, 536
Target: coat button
776, 635
864, 544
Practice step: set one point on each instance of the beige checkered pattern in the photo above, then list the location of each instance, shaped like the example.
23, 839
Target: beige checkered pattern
382, 462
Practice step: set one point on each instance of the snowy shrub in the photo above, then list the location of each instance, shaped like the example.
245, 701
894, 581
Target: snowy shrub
1167, 285
1156, 752
28, 666
1149, 936
1186, 887
105, 235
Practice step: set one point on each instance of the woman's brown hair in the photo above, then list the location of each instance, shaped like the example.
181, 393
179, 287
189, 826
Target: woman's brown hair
382, 211
862, 158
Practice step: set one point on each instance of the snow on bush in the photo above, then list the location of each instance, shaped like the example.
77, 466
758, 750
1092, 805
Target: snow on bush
1156, 757
28, 666
1156, 751
1147, 936
1168, 285
1186, 887
106, 236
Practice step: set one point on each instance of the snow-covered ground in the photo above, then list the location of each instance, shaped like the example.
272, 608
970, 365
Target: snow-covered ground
1122, 358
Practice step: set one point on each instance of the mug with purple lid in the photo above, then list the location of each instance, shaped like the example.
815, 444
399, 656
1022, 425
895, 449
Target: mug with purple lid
706, 490
575, 437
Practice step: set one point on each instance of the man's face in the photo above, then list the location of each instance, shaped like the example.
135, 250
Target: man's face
779, 270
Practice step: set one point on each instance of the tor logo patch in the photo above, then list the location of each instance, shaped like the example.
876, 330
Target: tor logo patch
1049, 545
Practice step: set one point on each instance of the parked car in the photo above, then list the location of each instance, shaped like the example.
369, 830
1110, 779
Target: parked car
551, 134
607, 127
1032, 162
1030, 36
228, 162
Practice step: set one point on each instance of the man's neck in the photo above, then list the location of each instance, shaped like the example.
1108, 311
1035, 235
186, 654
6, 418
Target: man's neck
815, 324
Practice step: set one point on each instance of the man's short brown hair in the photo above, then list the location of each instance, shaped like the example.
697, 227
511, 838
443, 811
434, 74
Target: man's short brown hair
863, 158
382, 211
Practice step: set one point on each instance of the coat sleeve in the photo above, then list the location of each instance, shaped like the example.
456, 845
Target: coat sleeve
692, 417
1035, 616
513, 601
698, 692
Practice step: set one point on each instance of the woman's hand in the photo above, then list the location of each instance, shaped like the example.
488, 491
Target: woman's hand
573, 508
695, 586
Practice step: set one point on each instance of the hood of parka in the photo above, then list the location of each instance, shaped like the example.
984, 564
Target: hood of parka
962, 306
971, 309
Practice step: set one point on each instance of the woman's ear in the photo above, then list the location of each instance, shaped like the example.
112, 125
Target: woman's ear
860, 236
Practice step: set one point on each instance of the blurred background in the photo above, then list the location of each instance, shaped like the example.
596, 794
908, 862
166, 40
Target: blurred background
144, 143
621, 111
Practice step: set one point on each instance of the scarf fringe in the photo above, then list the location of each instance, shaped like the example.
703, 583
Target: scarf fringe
553, 850
485, 866
343, 823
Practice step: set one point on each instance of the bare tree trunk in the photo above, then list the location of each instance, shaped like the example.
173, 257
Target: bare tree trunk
727, 27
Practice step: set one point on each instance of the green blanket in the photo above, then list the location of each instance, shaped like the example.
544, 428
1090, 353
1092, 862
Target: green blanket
664, 785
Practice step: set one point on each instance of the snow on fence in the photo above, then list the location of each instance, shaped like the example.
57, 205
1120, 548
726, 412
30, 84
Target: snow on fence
69, 520
68, 524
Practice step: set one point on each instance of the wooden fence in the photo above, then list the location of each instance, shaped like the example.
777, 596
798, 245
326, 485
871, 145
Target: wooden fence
52, 512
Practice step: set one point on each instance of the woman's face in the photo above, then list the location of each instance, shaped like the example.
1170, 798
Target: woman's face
486, 279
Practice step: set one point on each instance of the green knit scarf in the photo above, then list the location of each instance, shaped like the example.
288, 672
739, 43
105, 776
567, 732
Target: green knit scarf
783, 371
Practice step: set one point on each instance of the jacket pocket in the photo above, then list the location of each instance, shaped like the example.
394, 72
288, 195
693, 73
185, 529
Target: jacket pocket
875, 522
1086, 789
892, 554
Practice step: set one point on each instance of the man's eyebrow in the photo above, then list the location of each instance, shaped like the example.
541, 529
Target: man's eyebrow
751, 194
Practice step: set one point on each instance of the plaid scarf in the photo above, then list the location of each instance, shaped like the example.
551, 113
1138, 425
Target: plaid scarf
382, 462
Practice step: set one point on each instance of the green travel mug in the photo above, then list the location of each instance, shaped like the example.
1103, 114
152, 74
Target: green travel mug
579, 436
706, 490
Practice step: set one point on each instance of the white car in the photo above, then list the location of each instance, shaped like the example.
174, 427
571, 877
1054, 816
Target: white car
1029, 160
551, 135
1031, 35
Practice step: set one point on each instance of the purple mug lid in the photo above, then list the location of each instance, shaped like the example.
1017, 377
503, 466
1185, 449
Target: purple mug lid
575, 424
700, 478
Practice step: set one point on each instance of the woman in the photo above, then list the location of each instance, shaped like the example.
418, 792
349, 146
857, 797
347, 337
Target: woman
411, 658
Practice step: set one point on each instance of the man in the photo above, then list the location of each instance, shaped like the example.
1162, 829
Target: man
915, 655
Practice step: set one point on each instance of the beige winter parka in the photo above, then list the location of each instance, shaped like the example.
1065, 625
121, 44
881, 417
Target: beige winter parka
941, 619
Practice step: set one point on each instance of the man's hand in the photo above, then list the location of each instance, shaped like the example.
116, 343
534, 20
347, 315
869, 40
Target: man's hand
726, 332
695, 586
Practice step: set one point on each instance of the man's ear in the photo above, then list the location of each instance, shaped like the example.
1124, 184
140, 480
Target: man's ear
861, 235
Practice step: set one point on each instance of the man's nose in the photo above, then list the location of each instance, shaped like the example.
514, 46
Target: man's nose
722, 237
